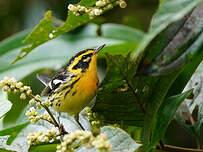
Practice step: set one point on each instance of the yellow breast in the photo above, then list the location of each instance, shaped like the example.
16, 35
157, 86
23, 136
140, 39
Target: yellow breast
81, 93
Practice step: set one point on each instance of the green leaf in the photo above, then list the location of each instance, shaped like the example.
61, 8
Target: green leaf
116, 88
4, 147
121, 32
42, 58
13, 132
5, 150
182, 47
13, 42
116, 136
165, 15
161, 84
5, 105
45, 30
119, 137
192, 105
44, 147
71, 125
165, 115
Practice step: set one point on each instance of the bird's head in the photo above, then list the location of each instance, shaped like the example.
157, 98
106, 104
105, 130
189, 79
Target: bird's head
83, 60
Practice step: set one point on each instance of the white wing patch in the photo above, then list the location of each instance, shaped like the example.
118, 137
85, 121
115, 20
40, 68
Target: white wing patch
50, 86
57, 81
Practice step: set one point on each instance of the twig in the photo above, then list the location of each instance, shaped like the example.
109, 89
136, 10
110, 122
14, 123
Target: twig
171, 148
55, 123
47, 109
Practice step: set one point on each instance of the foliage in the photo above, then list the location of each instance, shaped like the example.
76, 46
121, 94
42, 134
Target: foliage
141, 88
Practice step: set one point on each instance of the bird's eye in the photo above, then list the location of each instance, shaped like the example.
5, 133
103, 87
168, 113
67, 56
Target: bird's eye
84, 56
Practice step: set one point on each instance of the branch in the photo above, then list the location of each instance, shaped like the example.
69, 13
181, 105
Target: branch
171, 148
55, 123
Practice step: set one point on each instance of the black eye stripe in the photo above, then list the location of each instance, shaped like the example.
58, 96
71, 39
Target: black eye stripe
83, 64
87, 55
77, 55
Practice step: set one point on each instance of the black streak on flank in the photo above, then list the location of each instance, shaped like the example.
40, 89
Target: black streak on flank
52, 100
66, 94
74, 82
83, 64
71, 86
58, 104
74, 93
66, 87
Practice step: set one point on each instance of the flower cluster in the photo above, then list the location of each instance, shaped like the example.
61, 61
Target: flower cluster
100, 7
39, 103
96, 120
40, 137
10, 85
73, 140
93, 118
33, 116
101, 143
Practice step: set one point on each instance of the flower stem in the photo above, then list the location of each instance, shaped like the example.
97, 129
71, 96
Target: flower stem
55, 123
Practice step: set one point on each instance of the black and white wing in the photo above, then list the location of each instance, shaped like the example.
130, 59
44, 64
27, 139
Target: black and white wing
55, 82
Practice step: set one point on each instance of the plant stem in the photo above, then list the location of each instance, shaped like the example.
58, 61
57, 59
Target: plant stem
180, 149
55, 123
197, 138
170, 148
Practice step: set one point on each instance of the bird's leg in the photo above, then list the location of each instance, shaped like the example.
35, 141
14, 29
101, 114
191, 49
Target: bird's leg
77, 120
62, 130
58, 114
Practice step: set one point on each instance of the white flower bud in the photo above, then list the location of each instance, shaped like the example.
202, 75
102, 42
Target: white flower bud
109, 6
72, 8
38, 105
82, 9
32, 101
46, 103
1, 84
12, 86
5, 88
122, 4
88, 10
97, 12
28, 92
15, 91
91, 13
100, 3
22, 90
26, 88
37, 97
19, 84
23, 96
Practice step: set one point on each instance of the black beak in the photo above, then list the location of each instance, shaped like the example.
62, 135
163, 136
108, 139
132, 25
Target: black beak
98, 49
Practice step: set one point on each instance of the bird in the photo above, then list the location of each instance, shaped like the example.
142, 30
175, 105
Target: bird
74, 85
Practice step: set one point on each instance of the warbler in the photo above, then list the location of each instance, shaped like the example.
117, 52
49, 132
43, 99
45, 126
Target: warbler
75, 85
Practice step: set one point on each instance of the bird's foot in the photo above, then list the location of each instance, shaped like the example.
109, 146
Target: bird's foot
62, 130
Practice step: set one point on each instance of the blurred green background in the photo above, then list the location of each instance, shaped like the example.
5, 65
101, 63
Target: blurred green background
19, 15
